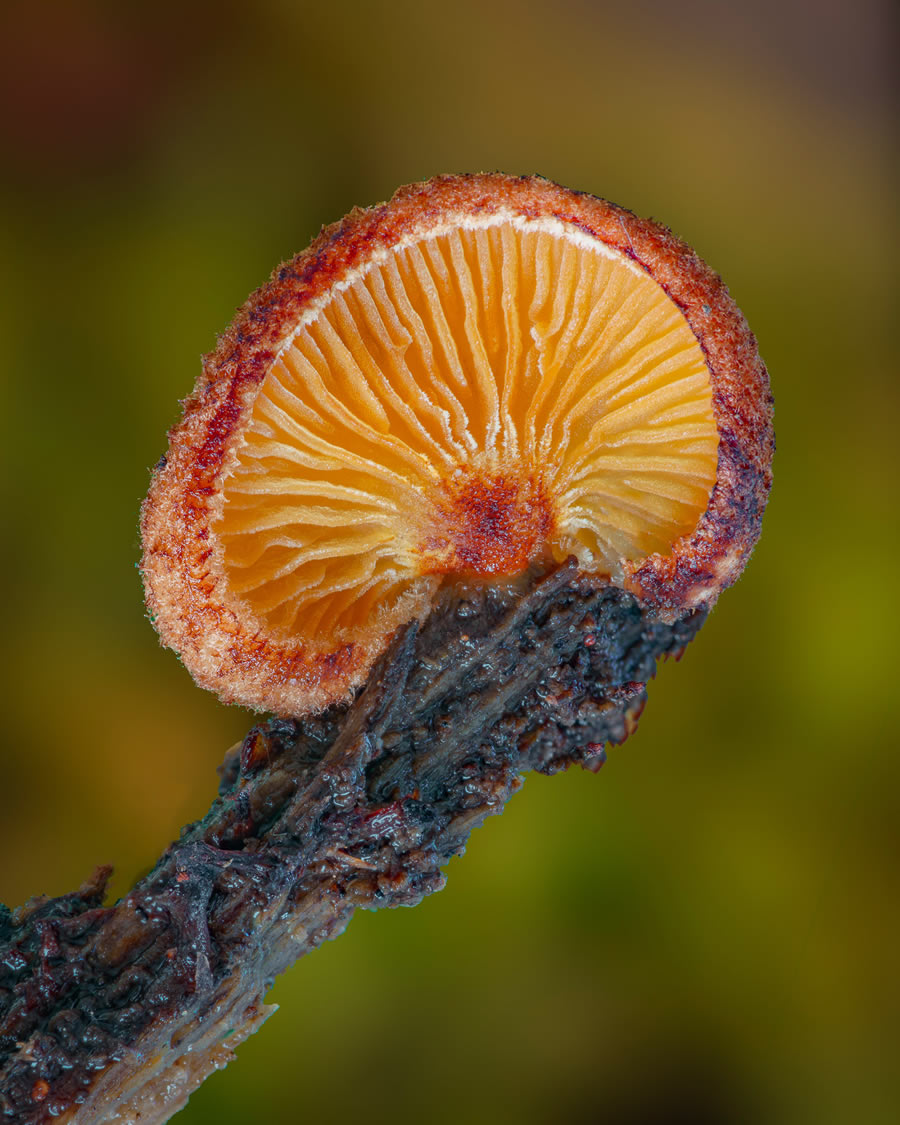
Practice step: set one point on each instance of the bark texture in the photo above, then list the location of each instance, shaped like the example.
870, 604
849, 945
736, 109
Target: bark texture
116, 1014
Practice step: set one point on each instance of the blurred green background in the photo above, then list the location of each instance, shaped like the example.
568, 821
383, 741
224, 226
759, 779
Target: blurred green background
707, 931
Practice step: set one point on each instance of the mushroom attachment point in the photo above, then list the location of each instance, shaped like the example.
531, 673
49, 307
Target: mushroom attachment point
475, 382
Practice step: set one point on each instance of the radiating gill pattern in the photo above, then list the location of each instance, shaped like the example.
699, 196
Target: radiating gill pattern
507, 349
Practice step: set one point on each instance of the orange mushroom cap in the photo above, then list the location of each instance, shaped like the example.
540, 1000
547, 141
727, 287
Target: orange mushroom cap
483, 375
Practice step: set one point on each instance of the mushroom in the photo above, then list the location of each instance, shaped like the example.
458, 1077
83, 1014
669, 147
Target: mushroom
485, 376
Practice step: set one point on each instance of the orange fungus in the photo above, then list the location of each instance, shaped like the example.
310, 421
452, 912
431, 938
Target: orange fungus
483, 375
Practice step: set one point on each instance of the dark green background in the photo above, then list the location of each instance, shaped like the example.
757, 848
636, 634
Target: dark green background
707, 930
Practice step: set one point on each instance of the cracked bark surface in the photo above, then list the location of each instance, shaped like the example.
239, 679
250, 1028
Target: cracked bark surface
116, 1014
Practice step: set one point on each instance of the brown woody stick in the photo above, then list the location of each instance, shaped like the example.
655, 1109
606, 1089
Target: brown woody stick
119, 1013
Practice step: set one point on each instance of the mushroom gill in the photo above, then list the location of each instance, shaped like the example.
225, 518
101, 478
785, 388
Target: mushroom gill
494, 393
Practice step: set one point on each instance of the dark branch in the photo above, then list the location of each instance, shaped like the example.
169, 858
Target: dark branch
128, 1008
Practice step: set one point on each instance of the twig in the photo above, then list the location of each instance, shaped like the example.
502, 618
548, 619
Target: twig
119, 1013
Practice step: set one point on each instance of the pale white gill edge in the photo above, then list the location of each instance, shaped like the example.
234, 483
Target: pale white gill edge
455, 221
